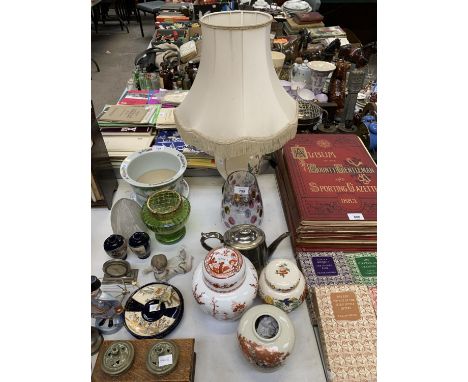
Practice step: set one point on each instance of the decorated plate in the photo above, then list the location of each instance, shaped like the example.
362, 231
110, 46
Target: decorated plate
154, 310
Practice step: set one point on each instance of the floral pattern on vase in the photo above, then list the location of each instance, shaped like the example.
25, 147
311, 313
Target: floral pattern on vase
283, 285
225, 284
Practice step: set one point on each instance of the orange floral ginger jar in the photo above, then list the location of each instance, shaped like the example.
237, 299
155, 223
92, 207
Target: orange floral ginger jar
225, 283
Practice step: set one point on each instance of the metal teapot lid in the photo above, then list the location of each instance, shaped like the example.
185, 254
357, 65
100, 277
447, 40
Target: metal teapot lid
244, 237
282, 275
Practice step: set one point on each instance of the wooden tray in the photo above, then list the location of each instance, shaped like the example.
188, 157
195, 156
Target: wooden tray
184, 371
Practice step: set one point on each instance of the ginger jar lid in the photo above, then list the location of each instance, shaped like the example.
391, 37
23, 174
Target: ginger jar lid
244, 237
282, 275
224, 268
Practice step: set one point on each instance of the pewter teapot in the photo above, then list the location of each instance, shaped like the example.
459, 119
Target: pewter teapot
247, 239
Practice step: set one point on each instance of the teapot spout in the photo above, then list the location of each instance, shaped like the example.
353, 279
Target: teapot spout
275, 243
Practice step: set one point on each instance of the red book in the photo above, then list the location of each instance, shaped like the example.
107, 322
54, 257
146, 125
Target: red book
333, 178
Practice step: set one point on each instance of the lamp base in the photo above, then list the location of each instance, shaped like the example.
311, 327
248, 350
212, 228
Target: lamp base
249, 163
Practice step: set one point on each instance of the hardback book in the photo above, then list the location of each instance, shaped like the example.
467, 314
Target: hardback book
363, 267
348, 332
327, 184
334, 179
128, 115
317, 238
323, 268
308, 17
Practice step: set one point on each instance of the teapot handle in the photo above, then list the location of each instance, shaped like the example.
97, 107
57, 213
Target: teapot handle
210, 235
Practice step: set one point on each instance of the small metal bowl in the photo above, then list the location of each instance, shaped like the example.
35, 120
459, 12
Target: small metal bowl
116, 268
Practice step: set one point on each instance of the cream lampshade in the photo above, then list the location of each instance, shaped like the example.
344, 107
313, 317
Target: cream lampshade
237, 109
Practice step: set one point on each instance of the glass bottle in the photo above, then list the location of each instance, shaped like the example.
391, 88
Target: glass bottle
166, 75
186, 83
105, 309
189, 70
136, 77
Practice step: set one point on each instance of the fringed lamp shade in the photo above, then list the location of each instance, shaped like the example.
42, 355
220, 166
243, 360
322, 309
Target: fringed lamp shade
236, 107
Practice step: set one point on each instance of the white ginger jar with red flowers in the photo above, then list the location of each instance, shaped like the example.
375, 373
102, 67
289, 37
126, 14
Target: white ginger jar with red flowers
225, 283
283, 285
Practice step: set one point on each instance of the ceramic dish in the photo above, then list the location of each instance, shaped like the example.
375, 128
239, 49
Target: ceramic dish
154, 310
154, 159
306, 94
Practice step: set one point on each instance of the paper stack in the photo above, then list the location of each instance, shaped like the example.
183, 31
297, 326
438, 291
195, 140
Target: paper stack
127, 128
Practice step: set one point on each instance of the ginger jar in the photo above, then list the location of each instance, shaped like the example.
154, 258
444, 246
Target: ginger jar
266, 336
225, 283
282, 284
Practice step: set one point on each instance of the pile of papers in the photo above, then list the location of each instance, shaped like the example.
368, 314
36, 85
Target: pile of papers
127, 128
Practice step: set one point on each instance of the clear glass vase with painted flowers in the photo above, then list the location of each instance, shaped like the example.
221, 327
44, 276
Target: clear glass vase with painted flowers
242, 201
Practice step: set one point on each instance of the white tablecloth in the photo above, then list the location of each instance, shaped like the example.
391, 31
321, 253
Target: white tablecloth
218, 355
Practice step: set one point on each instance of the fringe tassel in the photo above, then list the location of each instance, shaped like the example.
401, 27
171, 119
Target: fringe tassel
240, 147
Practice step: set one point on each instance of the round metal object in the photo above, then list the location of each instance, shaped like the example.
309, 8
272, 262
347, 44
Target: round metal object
116, 268
96, 340
162, 357
118, 358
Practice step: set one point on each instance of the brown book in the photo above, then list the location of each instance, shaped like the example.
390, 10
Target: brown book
297, 27
308, 18
183, 372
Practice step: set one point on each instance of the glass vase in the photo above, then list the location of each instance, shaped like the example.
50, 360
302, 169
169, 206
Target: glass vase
242, 201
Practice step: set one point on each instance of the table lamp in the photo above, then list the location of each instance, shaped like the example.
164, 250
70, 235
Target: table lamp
237, 109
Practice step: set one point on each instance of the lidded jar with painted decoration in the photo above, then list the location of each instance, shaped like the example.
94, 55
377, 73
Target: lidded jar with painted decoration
282, 284
266, 336
225, 283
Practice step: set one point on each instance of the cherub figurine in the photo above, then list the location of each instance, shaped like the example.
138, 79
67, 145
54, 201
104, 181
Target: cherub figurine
164, 270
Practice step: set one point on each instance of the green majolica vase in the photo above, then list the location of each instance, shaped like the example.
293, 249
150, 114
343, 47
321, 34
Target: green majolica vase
165, 213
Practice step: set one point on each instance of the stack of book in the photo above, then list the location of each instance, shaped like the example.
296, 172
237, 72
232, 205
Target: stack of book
127, 128
196, 158
328, 188
292, 26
